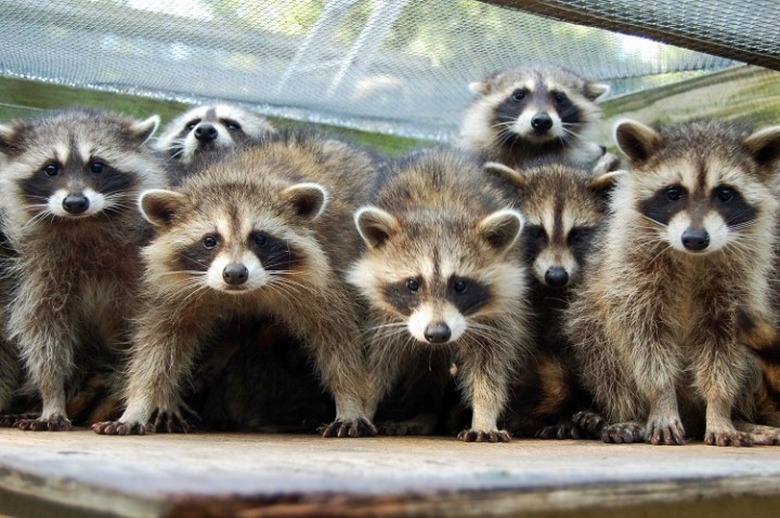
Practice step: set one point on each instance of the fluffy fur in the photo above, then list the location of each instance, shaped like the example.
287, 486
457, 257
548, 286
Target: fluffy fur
70, 183
565, 208
443, 274
212, 127
689, 242
533, 112
261, 232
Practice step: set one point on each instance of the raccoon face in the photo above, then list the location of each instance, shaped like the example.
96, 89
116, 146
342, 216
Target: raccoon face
539, 106
438, 286
700, 200
77, 166
230, 247
210, 127
563, 206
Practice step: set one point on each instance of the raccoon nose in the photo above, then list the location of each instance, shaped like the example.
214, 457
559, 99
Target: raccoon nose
541, 122
556, 277
235, 274
75, 203
205, 132
437, 333
695, 240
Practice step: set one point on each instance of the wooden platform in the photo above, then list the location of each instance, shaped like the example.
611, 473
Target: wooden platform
82, 474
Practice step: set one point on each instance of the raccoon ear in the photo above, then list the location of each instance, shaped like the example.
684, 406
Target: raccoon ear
595, 90
479, 87
375, 225
603, 184
502, 228
636, 140
517, 178
764, 145
159, 206
143, 130
308, 199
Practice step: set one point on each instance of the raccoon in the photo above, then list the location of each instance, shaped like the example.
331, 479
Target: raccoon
533, 112
565, 207
70, 182
688, 243
442, 271
262, 231
210, 127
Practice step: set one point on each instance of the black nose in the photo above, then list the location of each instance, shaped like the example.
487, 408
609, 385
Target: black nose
695, 240
556, 277
205, 132
437, 333
541, 122
75, 203
235, 274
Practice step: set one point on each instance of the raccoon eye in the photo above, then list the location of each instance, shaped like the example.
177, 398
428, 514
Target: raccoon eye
97, 167
192, 124
261, 239
412, 285
232, 126
210, 241
51, 169
518, 95
536, 232
725, 194
460, 286
560, 98
673, 193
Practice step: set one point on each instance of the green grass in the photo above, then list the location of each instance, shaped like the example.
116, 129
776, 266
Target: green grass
22, 98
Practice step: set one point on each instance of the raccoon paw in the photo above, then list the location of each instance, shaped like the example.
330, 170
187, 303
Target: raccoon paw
559, 431
360, 427
662, 432
590, 422
728, 438
623, 433
55, 423
118, 428
12, 420
170, 421
483, 436
760, 434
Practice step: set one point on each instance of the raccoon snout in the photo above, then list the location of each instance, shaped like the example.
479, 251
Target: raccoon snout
437, 333
541, 122
206, 133
556, 277
235, 274
695, 240
75, 203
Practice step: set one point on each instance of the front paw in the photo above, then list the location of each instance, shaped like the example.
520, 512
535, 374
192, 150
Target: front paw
360, 427
727, 438
622, 433
170, 421
590, 422
665, 432
12, 420
484, 436
560, 431
119, 428
54, 423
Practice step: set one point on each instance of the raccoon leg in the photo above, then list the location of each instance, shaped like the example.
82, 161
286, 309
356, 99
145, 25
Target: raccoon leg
161, 360
47, 343
485, 383
663, 424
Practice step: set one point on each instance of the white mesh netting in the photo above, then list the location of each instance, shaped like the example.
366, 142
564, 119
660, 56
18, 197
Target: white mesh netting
397, 66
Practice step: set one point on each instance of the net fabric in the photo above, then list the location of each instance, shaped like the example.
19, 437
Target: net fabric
398, 66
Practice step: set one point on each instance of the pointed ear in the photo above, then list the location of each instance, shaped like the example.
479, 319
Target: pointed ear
142, 131
308, 199
603, 184
479, 87
764, 145
637, 141
502, 228
595, 90
375, 225
514, 176
9, 139
159, 206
